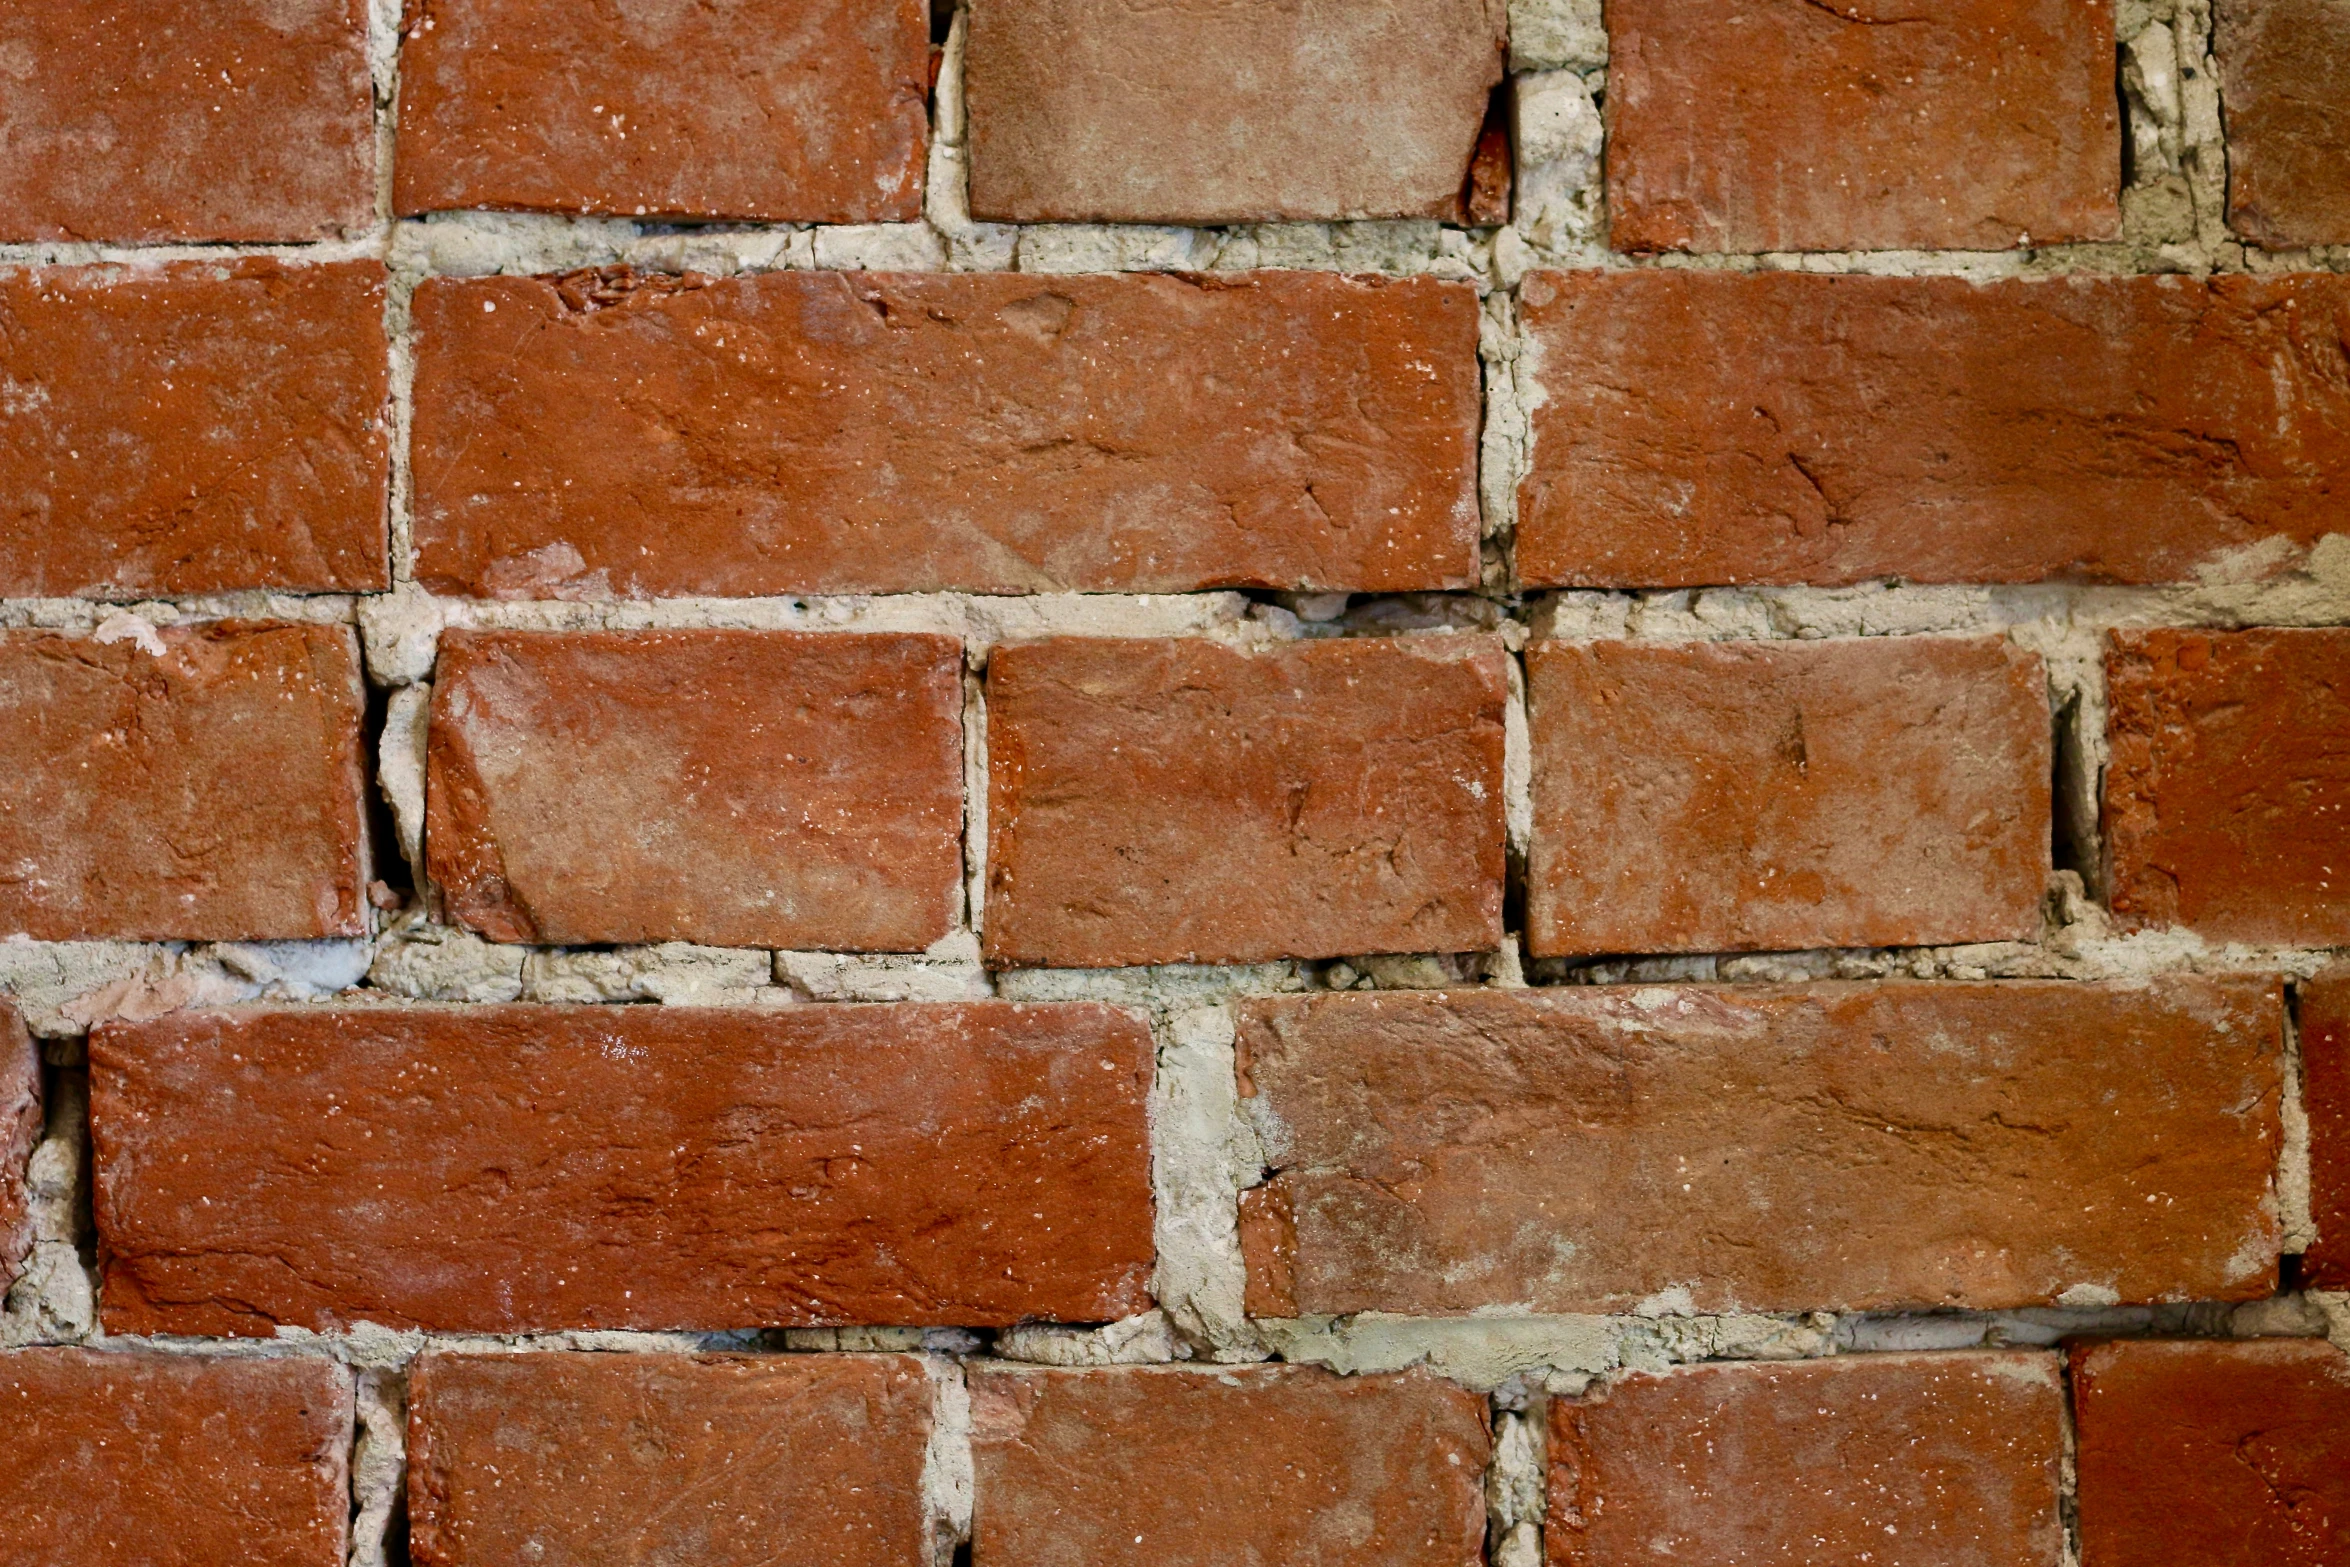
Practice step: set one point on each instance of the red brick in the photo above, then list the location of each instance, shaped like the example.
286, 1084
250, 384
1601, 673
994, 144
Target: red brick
2284, 74
1742, 125
1178, 801
744, 788
2227, 799
1093, 111
193, 428
1716, 797
2325, 1092
214, 792
563, 1458
501, 1169
1895, 1460
1770, 1148
1186, 1468
20, 1129
130, 120
811, 112
112, 1457
840, 432
1791, 427
2219, 1454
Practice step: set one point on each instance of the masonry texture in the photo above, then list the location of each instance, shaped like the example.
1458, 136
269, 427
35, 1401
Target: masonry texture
1018, 783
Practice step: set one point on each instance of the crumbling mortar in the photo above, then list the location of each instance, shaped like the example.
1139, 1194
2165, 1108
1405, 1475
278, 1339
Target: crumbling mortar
2296, 1214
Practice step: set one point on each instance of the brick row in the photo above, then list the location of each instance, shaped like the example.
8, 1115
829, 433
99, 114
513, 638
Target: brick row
617, 434
1986, 125
1764, 1148
1594, 1150
507, 1169
841, 432
2224, 1453
1176, 800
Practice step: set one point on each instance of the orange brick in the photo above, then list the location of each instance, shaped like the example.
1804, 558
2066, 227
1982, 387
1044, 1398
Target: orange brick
1201, 1468
1728, 796
193, 428
213, 792
2224, 1455
115, 1456
1742, 125
813, 112
508, 1169
1765, 1147
1181, 801
1699, 428
661, 1458
2227, 800
1900, 1460
633, 436
743, 788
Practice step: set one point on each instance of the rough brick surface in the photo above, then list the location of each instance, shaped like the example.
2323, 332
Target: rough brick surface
1178, 801
618, 434
2224, 1455
128, 120
2227, 801
1702, 427
1715, 797
742, 788
2284, 72
20, 1128
810, 112
1758, 125
1901, 1460
1201, 1468
511, 1168
1197, 112
213, 791
561, 1460
192, 428
2325, 1092
108, 1458
1770, 1148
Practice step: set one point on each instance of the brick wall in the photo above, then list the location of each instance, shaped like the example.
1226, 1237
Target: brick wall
1036, 782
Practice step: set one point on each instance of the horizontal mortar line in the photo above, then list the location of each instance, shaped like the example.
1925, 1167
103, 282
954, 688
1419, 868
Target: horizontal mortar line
2044, 1327
405, 244
1883, 608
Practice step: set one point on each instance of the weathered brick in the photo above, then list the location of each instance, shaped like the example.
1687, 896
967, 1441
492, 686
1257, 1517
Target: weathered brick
2220, 1454
130, 120
811, 113
1183, 801
512, 1168
20, 1128
193, 428
569, 1458
108, 1458
2325, 1093
2227, 799
1769, 1148
2284, 75
743, 788
1189, 1468
1902, 1460
836, 432
213, 791
1098, 112
1714, 427
1715, 797
1744, 125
